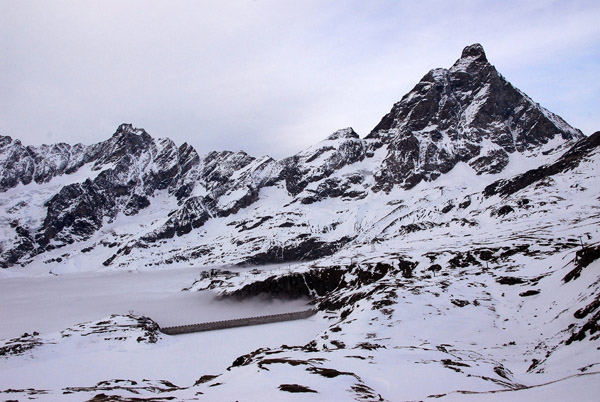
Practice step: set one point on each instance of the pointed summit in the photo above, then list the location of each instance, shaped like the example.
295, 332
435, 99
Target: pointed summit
127, 128
468, 113
476, 51
474, 62
347, 132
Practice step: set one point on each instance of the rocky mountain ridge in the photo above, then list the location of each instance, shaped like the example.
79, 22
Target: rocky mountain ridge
466, 114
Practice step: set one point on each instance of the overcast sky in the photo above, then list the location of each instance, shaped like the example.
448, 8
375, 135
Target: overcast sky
272, 77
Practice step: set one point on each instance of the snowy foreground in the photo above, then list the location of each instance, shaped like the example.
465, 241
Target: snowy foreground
105, 346
428, 339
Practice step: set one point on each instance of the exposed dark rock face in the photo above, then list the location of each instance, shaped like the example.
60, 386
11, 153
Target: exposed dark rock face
132, 168
302, 249
25, 164
218, 167
79, 207
188, 161
494, 162
583, 258
194, 213
23, 245
294, 286
320, 161
332, 187
126, 171
322, 284
20, 345
510, 280
295, 388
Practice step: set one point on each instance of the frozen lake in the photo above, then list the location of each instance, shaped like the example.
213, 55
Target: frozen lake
52, 303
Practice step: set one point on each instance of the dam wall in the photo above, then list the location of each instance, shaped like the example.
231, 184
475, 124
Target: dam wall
239, 322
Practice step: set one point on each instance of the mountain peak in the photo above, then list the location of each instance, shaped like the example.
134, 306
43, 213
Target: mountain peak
475, 51
473, 61
450, 116
347, 132
128, 128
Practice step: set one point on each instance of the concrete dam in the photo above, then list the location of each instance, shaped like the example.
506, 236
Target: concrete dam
239, 322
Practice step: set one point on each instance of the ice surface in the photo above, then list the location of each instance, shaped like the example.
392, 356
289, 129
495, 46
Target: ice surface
52, 303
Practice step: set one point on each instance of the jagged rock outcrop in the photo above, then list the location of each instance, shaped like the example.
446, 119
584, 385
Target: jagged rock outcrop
26, 164
194, 212
342, 148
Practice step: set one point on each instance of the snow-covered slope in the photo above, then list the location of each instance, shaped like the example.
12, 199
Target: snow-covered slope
453, 250
498, 296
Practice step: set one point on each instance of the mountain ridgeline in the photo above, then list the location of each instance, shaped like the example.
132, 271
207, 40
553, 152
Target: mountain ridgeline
135, 195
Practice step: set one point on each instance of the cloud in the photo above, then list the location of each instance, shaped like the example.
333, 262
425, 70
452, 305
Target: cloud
268, 77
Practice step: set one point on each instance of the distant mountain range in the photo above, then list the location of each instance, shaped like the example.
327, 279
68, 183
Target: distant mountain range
128, 195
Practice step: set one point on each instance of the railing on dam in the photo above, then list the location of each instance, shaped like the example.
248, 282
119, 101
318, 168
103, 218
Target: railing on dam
239, 322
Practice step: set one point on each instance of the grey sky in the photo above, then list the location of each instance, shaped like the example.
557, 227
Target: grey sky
272, 77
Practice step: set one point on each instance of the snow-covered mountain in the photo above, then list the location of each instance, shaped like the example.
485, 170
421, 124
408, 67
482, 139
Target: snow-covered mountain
132, 192
452, 252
